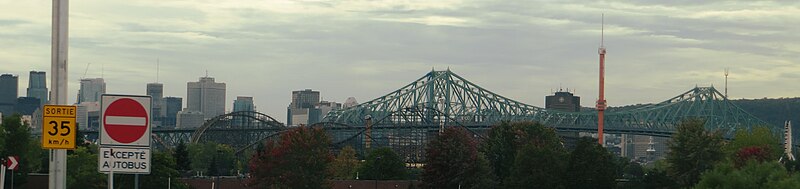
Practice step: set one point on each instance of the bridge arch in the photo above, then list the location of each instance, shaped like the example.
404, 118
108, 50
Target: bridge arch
237, 129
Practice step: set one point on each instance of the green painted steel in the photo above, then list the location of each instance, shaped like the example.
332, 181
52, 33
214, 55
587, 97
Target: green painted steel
475, 106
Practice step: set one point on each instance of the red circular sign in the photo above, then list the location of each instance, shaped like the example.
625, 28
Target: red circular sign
125, 120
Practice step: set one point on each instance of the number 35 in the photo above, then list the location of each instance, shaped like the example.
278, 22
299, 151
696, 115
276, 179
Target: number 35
64, 126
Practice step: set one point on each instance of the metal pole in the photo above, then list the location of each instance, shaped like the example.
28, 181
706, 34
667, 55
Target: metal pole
111, 170
136, 181
169, 182
3, 175
58, 85
12, 178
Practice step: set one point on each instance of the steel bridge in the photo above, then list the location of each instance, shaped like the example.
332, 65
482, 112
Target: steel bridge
406, 118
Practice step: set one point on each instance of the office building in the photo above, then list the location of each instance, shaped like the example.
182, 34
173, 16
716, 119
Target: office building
243, 103
88, 115
302, 109
37, 86
563, 101
8, 93
173, 106
26, 105
206, 96
325, 107
157, 109
91, 90
188, 119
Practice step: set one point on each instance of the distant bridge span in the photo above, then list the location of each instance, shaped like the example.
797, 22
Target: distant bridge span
407, 117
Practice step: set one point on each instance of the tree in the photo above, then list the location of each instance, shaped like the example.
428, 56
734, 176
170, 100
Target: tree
453, 161
693, 150
163, 168
299, 159
17, 143
590, 165
383, 164
202, 156
181, 157
82, 169
767, 175
345, 165
540, 160
501, 149
760, 137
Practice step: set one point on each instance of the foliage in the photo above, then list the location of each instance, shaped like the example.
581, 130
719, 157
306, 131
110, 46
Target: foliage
759, 136
765, 175
453, 161
203, 155
693, 150
17, 141
590, 165
163, 168
501, 148
752, 153
345, 165
540, 160
383, 164
181, 156
773, 111
82, 169
658, 178
299, 159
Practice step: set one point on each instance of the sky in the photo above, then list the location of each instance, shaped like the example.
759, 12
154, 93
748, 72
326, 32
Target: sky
522, 50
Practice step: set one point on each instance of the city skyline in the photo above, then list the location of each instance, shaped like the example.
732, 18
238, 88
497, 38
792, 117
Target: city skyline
519, 50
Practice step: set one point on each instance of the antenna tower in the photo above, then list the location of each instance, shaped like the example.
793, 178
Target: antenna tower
601, 101
726, 82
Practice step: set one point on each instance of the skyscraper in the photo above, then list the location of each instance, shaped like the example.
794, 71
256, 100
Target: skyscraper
37, 86
206, 96
156, 92
8, 93
173, 106
302, 108
91, 90
243, 103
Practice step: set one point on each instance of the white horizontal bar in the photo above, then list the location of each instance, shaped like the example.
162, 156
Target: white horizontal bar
129, 121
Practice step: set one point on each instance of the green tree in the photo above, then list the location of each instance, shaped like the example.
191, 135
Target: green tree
181, 156
300, 159
453, 161
383, 164
202, 156
163, 168
590, 165
501, 148
693, 150
767, 175
17, 143
540, 160
345, 165
82, 169
760, 137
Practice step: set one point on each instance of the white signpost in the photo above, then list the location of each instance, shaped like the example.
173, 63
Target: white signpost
124, 135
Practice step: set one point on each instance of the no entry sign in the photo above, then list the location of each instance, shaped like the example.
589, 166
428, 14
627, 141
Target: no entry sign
125, 120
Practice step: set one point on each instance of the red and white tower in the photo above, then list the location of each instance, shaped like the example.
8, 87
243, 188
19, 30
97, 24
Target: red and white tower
601, 101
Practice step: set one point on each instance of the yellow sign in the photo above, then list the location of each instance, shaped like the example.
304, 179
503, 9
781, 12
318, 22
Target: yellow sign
58, 127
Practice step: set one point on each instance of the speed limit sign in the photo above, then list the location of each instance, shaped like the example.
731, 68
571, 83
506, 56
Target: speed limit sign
58, 129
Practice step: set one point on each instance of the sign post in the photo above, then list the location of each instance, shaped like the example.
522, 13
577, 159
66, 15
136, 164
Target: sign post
58, 127
124, 135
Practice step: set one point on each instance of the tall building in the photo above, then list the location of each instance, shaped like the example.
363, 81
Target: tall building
37, 86
91, 90
173, 106
302, 109
156, 92
563, 101
8, 93
27, 105
206, 96
243, 103
326, 106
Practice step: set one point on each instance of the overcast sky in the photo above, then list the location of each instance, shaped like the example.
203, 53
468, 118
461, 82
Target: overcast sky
365, 49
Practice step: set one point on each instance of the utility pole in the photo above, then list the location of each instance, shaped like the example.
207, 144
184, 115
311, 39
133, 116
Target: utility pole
58, 85
726, 82
601, 101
